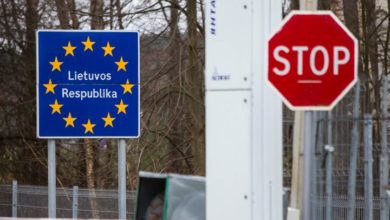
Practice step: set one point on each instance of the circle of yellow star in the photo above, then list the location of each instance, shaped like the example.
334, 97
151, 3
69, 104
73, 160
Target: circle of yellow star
69, 120
88, 44
121, 107
121, 65
69, 49
56, 65
89, 127
108, 49
56, 107
49, 87
108, 120
127, 87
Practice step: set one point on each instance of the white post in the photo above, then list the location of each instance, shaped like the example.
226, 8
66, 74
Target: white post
51, 164
122, 178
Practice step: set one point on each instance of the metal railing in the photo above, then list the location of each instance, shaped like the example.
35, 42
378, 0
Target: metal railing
32, 201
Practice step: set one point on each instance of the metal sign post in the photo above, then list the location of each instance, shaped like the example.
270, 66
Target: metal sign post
306, 206
122, 178
51, 165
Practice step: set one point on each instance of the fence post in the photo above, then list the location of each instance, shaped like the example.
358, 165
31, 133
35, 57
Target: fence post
14, 198
384, 176
329, 169
368, 179
75, 202
353, 154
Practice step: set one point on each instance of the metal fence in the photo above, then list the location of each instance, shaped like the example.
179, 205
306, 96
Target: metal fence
32, 201
352, 181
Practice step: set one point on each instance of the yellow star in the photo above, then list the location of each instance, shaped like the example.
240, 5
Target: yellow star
69, 49
49, 87
56, 64
69, 120
89, 127
108, 120
121, 65
127, 87
121, 107
88, 44
56, 107
108, 49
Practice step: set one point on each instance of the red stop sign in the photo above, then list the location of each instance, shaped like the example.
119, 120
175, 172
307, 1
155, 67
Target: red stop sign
312, 60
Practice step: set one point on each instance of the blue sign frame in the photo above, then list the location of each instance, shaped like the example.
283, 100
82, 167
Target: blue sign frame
88, 84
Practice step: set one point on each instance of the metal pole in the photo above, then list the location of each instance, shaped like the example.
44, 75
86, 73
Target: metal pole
307, 164
75, 202
384, 175
368, 179
14, 198
52, 178
308, 115
122, 178
318, 186
353, 154
329, 168
313, 163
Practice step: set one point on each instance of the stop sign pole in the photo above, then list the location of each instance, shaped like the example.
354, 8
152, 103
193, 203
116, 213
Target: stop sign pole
308, 121
312, 64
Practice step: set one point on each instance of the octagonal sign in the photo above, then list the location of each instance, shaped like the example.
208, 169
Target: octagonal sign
312, 60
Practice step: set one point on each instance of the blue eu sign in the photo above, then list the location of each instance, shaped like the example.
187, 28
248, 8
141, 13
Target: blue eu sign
88, 84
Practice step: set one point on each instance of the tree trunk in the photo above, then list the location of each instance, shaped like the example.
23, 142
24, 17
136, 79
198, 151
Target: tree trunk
350, 10
62, 13
176, 124
324, 5
119, 13
294, 5
90, 162
386, 46
73, 15
195, 83
96, 10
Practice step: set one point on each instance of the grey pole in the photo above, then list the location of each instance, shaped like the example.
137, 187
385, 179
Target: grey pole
368, 160
329, 168
51, 164
308, 115
307, 164
122, 178
384, 175
313, 162
353, 154
75, 205
14, 198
